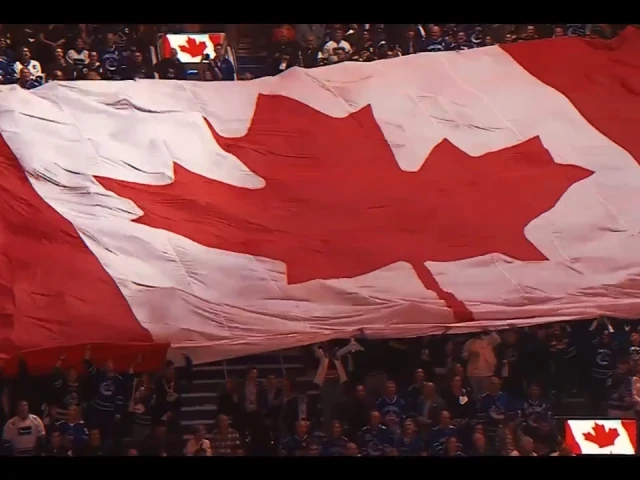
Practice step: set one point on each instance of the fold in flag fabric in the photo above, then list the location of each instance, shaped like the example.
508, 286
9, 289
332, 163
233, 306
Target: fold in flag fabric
437, 192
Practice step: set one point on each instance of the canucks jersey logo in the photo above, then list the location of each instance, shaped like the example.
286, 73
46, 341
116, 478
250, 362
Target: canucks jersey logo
107, 389
603, 357
111, 61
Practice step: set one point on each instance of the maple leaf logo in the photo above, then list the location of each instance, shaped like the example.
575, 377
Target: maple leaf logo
601, 436
341, 207
193, 47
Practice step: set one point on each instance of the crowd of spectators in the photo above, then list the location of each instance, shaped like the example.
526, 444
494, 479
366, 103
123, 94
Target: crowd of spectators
31, 55
484, 394
479, 395
314, 45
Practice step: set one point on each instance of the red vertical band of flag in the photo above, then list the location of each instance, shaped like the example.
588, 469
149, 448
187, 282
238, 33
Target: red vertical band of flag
54, 292
599, 77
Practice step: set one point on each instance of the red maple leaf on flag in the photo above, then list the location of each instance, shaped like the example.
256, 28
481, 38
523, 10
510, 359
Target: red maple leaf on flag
337, 205
193, 47
601, 436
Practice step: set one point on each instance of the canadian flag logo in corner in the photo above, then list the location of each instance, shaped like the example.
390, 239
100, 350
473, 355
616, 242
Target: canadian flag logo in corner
601, 437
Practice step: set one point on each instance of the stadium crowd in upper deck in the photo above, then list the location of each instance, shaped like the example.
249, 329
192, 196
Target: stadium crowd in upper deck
32, 54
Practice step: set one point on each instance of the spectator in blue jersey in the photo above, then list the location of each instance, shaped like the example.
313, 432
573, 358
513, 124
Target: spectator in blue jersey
74, 431
26, 81
620, 401
435, 42
335, 443
392, 408
438, 436
495, 406
429, 407
375, 439
461, 42
412, 42
56, 447
107, 404
408, 442
223, 64
111, 58
67, 388
534, 409
298, 443
603, 363
7, 73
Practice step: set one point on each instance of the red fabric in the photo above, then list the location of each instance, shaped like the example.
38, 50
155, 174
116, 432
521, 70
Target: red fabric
55, 296
599, 77
166, 47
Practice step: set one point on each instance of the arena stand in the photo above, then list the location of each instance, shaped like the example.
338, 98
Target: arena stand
314, 400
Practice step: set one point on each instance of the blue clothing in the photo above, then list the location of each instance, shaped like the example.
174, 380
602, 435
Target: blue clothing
391, 407
412, 447
109, 396
77, 431
494, 407
373, 442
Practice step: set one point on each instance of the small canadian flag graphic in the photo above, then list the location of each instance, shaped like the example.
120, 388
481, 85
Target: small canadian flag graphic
601, 437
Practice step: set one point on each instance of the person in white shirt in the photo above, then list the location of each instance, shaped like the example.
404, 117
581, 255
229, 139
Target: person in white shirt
78, 55
25, 61
337, 41
482, 361
24, 432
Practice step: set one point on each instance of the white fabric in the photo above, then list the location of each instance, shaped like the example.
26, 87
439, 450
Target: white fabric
194, 296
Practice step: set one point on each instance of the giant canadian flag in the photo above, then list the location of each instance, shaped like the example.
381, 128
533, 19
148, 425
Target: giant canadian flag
443, 191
